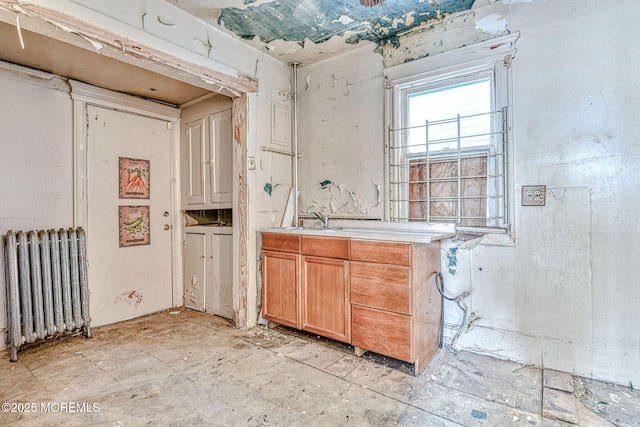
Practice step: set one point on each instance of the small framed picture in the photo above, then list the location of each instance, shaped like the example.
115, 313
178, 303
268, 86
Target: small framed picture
134, 225
134, 179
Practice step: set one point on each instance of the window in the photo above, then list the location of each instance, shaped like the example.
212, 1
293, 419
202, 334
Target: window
448, 152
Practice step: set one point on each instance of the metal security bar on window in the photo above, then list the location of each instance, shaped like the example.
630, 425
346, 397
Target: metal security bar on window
451, 170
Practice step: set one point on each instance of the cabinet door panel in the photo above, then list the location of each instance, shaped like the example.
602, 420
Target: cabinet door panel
281, 288
325, 293
219, 292
194, 162
382, 332
195, 270
383, 286
221, 162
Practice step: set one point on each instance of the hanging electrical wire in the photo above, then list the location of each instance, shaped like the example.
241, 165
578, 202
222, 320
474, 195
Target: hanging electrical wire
467, 320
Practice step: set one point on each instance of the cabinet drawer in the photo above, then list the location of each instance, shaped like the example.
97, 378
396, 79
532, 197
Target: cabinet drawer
382, 332
328, 247
381, 286
281, 242
381, 252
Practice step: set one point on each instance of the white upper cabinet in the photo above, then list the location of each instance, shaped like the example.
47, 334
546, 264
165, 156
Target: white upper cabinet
194, 163
220, 163
206, 156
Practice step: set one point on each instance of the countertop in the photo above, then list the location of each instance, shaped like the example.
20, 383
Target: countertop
374, 230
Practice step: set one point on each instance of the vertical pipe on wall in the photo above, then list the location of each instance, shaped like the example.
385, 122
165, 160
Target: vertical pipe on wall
294, 91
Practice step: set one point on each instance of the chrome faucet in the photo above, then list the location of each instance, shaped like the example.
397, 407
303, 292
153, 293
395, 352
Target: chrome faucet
324, 219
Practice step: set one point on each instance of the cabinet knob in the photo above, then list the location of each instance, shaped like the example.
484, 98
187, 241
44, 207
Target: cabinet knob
167, 227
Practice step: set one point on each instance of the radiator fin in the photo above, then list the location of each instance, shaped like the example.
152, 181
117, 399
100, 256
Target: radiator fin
46, 285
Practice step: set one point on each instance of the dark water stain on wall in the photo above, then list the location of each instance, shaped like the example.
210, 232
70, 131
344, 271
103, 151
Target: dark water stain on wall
318, 21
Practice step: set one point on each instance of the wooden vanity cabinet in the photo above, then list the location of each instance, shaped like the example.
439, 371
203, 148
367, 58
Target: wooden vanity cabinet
281, 279
395, 306
376, 295
325, 287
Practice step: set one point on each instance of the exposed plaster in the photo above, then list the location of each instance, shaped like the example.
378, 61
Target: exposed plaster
340, 199
452, 257
491, 16
345, 20
454, 31
299, 21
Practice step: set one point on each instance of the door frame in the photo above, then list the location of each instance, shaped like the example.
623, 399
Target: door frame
85, 95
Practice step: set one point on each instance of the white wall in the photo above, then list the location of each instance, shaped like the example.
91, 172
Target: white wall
341, 106
565, 295
270, 168
36, 162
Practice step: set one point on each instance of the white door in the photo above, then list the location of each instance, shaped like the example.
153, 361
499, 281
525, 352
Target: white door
129, 260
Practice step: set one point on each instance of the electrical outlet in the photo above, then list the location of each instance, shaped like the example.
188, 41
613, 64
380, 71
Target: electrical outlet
534, 195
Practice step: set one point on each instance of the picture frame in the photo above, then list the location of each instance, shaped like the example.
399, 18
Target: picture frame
134, 178
134, 226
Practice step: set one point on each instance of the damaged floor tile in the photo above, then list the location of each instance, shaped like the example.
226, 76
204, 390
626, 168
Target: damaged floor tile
559, 405
558, 380
183, 367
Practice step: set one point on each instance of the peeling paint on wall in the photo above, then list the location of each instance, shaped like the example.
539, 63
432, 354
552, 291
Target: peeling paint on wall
452, 256
342, 146
267, 188
324, 184
450, 33
340, 199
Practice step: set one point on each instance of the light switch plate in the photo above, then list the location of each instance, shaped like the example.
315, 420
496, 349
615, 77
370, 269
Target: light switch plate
534, 195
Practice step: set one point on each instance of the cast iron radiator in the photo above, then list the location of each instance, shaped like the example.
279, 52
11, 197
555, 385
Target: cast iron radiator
46, 285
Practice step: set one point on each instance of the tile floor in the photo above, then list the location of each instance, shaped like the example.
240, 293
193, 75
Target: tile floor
184, 368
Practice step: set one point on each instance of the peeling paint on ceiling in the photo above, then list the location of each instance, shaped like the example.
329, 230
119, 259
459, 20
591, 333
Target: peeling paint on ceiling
274, 25
318, 21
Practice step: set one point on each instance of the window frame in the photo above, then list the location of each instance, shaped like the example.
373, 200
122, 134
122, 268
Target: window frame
491, 58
